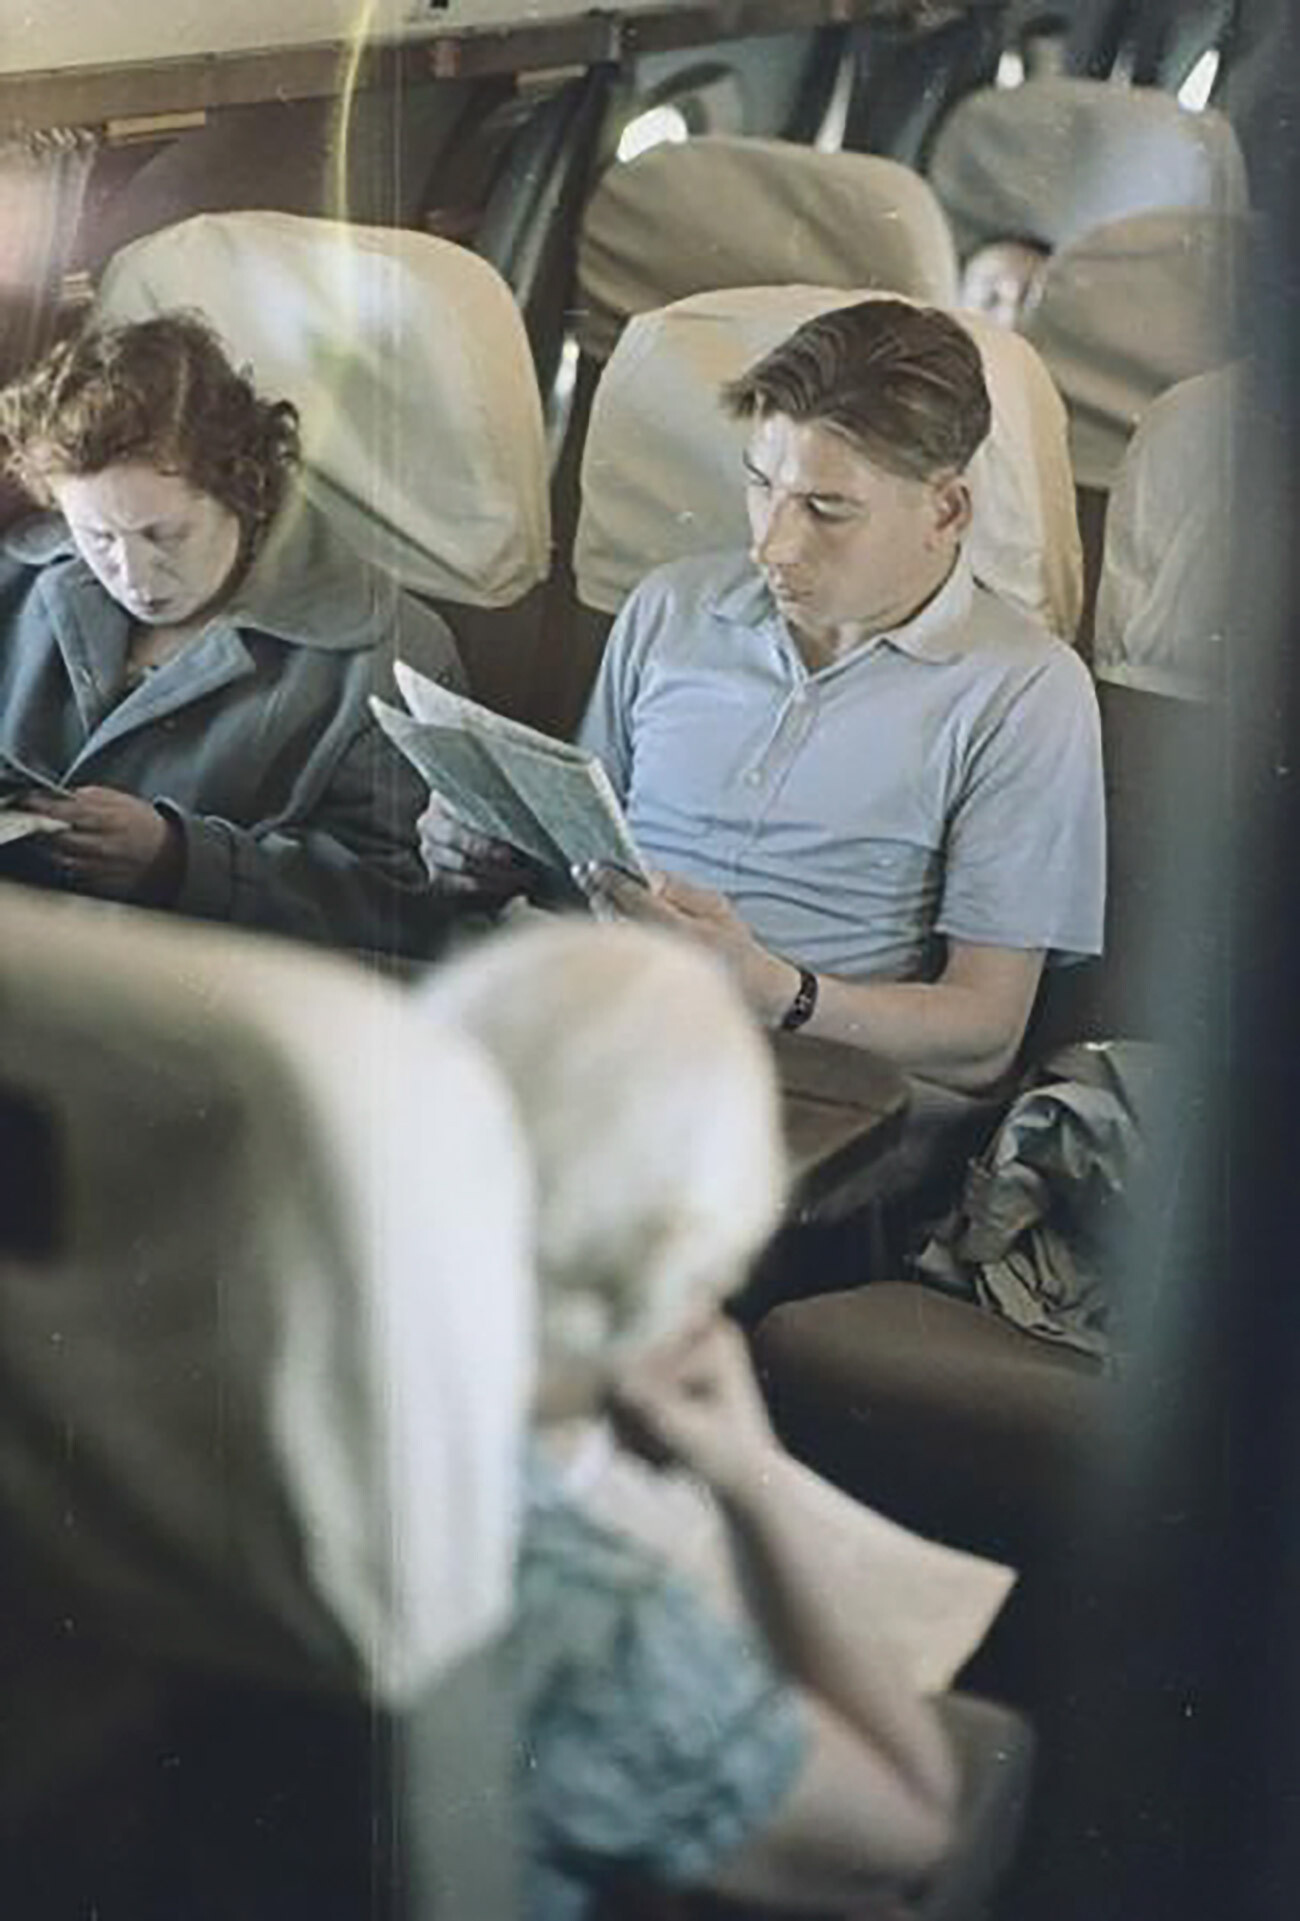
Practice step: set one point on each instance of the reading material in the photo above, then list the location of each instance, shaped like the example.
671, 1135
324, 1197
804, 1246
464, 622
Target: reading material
548, 799
17, 822
932, 1604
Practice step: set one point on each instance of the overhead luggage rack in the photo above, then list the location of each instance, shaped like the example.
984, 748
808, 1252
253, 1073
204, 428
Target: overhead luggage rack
79, 82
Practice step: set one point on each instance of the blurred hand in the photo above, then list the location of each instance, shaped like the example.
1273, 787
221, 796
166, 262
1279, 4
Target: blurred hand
695, 1401
463, 862
701, 914
115, 844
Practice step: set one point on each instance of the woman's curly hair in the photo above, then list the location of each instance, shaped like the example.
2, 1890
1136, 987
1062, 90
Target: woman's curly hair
158, 391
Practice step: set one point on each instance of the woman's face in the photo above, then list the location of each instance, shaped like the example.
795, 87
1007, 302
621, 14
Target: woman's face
162, 549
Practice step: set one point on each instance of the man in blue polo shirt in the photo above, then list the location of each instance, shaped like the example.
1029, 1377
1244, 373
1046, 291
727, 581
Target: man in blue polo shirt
869, 784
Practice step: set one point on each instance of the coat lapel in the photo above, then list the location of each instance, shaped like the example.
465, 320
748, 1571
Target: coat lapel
216, 658
91, 632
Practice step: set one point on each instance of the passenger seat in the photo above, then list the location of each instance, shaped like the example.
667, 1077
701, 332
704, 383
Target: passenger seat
422, 423
724, 211
1052, 159
1128, 310
661, 475
258, 1436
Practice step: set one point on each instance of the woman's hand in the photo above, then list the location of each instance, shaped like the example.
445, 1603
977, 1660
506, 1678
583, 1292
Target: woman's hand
459, 861
695, 1401
114, 844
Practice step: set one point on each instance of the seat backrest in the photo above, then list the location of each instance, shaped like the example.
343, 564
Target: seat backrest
1051, 159
662, 467
258, 1428
1130, 309
409, 364
724, 211
1164, 603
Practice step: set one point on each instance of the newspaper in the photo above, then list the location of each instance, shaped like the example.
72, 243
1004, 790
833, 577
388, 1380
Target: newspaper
18, 821
932, 1604
549, 800
17, 824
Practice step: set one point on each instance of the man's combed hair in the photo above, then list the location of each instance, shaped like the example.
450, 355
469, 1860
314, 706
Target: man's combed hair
161, 392
904, 384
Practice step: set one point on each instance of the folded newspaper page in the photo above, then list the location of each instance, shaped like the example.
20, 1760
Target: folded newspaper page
932, 1604
16, 824
549, 800
18, 819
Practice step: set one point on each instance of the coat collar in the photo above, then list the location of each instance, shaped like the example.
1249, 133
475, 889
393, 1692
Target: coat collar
305, 587
92, 631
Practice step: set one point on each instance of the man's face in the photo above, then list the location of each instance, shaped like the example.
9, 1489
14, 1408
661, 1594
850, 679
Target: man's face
847, 549
1002, 281
162, 549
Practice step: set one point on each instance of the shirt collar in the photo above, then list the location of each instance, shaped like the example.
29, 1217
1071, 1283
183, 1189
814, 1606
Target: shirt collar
936, 633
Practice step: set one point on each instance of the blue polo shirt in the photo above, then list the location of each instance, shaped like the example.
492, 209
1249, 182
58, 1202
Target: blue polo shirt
941, 780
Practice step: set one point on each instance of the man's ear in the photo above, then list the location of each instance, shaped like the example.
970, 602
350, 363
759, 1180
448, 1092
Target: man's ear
952, 506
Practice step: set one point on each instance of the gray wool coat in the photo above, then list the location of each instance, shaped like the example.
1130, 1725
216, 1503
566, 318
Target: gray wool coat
256, 739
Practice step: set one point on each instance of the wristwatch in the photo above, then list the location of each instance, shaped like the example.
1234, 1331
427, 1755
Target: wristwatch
803, 1005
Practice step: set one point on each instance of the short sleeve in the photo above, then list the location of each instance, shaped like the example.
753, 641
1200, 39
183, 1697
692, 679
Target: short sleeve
660, 1739
1025, 858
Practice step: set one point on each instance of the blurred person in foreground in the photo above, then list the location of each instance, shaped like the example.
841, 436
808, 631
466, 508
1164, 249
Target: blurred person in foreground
188, 648
658, 1743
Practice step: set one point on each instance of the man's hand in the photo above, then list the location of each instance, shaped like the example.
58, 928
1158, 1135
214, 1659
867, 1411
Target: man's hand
463, 862
699, 912
695, 1401
115, 844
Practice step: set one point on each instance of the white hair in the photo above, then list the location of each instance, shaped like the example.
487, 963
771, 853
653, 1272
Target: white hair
648, 1101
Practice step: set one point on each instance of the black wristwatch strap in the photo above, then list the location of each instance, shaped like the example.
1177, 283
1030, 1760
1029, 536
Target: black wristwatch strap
803, 1005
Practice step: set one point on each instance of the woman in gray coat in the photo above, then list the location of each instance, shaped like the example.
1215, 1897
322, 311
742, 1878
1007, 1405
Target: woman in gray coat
188, 648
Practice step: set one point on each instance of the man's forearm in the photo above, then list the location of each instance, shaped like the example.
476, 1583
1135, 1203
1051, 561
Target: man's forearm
942, 1030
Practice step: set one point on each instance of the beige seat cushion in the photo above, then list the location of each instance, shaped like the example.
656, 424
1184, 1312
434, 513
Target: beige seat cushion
721, 211
1163, 608
1130, 309
1059, 155
408, 362
661, 474
255, 1416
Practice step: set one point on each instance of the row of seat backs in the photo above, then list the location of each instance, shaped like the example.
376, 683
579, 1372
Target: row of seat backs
1144, 204
423, 433
407, 356
422, 423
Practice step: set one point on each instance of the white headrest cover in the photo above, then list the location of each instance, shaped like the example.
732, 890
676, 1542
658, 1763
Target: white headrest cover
661, 475
289, 1321
1048, 160
1164, 603
1131, 309
725, 212
407, 359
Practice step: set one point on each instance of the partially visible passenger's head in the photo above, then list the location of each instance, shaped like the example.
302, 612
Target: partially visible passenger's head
903, 384
648, 1101
1001, 281
161, 456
